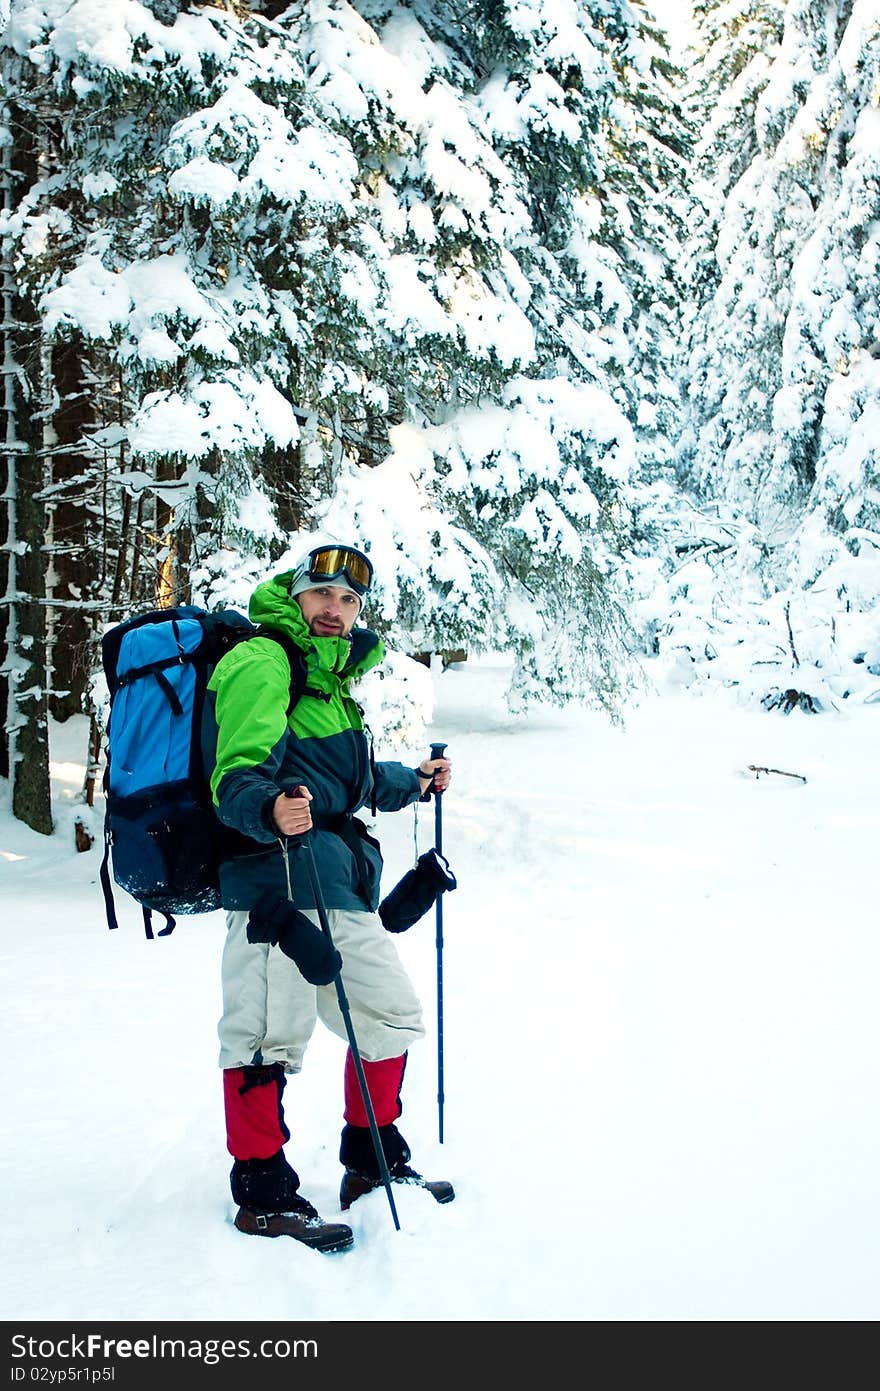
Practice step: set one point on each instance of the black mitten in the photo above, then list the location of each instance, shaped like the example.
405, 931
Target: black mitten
268, 917
275, 920
417, 891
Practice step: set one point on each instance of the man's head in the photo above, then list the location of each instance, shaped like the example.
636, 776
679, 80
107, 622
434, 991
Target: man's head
329, 586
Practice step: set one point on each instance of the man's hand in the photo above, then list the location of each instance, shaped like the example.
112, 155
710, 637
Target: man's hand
293, 814
435, 773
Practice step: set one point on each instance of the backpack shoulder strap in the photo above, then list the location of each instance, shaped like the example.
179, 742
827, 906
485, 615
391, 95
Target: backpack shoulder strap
296, 660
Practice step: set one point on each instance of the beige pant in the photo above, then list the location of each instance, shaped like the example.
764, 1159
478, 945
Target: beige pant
269, 1010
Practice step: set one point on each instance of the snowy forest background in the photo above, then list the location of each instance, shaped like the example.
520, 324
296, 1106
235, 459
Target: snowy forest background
580, 341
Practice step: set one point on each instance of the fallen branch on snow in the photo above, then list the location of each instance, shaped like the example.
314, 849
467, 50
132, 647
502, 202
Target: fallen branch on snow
758, 770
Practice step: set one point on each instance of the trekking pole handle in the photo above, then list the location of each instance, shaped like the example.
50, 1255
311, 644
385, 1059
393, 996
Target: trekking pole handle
437, 751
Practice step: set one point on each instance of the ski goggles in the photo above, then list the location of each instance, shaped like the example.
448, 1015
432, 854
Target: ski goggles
331, 562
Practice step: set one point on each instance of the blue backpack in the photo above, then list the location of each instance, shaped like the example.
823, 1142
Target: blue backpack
161, 832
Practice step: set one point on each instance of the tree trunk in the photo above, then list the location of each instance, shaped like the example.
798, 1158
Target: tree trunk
165, 541
27, 726
283, 473
7, 479
28, 704
71, 629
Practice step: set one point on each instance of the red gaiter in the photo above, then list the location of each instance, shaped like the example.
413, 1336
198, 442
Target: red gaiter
384, 1081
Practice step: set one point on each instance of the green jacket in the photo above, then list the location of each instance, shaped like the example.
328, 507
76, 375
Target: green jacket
323, 745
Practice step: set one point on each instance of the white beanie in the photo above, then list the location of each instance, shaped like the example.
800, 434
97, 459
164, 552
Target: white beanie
301, 582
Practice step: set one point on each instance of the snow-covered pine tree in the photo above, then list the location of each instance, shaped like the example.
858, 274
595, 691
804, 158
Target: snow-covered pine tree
735, 43
644, 211
129, 250
496, 188
734, 51
306, 248
782, 370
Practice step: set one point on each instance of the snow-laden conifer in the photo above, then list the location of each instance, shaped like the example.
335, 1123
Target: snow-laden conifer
310, 248
781, 372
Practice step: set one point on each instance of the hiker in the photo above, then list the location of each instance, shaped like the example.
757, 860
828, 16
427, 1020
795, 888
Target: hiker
281, 773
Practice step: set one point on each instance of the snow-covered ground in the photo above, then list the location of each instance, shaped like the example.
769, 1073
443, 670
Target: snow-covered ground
660, 1045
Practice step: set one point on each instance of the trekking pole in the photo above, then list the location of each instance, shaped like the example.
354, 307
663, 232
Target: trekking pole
305, 843
437, 751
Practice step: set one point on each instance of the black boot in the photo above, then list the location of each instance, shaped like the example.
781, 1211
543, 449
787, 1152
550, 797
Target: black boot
362, 1172
270, 1205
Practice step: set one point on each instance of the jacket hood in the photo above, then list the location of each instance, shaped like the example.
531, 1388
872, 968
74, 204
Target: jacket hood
349, 657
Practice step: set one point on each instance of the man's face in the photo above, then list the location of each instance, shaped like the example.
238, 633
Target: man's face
329, 611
